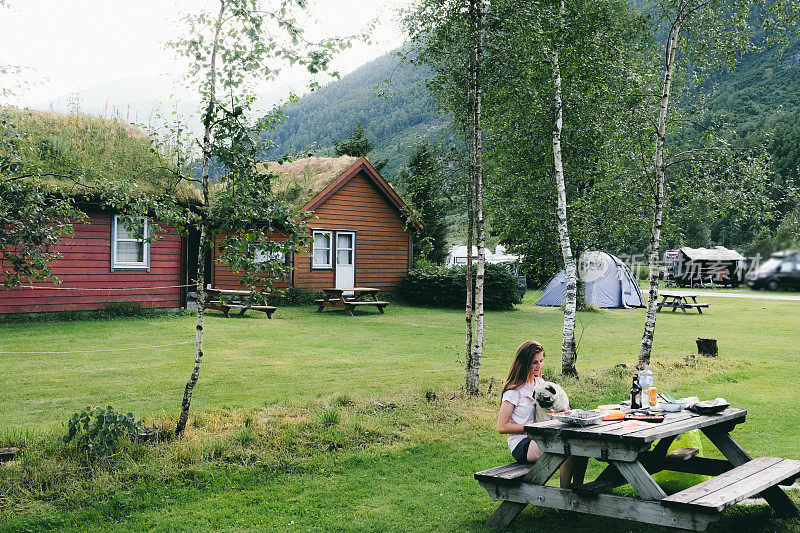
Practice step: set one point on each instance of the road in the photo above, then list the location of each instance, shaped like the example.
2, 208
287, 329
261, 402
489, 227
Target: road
745, 295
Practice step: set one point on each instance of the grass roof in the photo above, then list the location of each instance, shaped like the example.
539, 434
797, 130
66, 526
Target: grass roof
93, 150
300, 180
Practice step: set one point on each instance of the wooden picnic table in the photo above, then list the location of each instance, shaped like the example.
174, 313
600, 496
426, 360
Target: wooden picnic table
351, 298
226, 299
679, 300
626, 447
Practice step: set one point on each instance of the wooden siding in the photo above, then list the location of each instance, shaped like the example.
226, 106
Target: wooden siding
86, 264
223, 277
383, 246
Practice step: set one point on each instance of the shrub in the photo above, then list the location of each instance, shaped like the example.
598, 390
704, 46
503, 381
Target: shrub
436, 286
98, 432
294, 296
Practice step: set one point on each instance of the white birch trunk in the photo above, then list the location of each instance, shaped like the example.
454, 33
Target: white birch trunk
658, 198
201, 254
568, 350
477, 166
470, 190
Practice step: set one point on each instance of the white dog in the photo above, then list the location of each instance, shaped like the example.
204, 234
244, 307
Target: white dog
548, 397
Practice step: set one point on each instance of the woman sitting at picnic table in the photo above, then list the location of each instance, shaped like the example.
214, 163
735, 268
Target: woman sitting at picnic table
517, 410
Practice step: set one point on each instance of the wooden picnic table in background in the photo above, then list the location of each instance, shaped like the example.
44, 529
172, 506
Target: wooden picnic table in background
226, 299
677, 300
625, 447
357, 297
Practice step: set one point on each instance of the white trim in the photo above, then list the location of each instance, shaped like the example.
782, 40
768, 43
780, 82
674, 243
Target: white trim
314, 264
129, 265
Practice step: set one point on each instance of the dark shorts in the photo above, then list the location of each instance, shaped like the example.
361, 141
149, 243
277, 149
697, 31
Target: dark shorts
520, 452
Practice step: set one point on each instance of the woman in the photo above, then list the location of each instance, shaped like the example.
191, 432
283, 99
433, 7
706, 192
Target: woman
517, 411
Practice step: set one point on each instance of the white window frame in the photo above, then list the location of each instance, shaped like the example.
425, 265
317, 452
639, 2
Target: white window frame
128, 265
260, 256
314, 264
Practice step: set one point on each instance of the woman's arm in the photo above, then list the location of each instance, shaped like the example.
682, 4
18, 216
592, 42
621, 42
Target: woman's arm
504, 424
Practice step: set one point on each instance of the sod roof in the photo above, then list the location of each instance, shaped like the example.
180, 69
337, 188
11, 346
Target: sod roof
93, 151
301, 180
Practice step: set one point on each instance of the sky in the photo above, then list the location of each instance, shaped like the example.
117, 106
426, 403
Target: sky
67, 46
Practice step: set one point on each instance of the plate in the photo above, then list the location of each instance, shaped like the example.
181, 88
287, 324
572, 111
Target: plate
710, 407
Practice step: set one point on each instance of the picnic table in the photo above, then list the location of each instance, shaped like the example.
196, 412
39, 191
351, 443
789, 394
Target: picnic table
679, 300
626, 447
350, 299
226, 299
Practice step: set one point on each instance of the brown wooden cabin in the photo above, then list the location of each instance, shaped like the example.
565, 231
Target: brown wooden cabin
99, 266
359, 234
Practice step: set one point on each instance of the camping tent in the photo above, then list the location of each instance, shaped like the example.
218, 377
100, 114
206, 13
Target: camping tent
609, 283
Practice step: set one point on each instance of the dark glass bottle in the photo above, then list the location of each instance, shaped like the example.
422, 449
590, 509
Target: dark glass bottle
636, 393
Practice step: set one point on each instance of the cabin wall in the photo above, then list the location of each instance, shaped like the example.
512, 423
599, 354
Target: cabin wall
383, 246
86, 264
223, 277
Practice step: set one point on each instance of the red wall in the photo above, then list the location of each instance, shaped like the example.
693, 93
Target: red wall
86, 264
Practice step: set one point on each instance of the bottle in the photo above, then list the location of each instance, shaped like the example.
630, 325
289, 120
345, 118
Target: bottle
636, 393
646, 378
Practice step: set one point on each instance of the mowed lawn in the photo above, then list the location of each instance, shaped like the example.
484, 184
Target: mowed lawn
303, 358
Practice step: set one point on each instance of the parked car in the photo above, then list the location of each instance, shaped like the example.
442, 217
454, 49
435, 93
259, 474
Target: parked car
780, 271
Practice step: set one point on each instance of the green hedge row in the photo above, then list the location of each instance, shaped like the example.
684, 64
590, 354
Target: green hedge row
436, 286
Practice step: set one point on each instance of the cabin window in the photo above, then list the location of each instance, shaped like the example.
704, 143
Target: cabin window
129, 247
322, 249
262, 256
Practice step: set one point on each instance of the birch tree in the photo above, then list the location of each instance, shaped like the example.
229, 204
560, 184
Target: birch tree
230, 49
701, 36
449, 37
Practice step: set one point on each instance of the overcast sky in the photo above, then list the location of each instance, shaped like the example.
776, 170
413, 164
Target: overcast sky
72, 45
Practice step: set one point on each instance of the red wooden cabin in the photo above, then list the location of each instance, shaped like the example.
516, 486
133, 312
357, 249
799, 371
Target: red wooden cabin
101, 265
359, 231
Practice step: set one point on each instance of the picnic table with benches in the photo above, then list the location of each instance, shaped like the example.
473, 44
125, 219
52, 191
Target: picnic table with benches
626, 448
226, 299
679, 300
350, 299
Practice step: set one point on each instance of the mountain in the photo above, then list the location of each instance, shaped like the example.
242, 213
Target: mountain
386, 95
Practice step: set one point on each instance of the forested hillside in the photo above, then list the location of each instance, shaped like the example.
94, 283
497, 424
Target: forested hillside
386, 95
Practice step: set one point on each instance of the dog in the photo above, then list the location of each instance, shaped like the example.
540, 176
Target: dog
547, 397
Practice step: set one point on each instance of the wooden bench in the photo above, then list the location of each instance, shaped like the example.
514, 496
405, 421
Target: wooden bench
752, 477
227, 306
349, 305
510, 474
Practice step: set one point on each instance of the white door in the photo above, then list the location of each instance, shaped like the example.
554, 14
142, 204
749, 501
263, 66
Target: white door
345, 260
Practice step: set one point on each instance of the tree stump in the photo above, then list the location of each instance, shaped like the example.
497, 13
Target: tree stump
707, 347
7, 454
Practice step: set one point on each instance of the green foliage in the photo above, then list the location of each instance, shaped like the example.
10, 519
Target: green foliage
438, 286
294, 297
97, 432
356, 145
424, 187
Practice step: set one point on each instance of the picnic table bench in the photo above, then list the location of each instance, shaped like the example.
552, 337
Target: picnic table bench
626, 447
226, 299
678, 300
350, 299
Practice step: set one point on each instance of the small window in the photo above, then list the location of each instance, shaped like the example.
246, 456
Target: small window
261, 256
786, 266
321, 252
129, 247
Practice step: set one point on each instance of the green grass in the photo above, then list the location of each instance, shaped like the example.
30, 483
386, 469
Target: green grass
321, 419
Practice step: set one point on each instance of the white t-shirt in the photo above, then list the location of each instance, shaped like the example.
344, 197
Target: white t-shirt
523, 412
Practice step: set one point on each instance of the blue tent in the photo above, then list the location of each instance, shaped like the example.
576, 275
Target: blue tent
609, 283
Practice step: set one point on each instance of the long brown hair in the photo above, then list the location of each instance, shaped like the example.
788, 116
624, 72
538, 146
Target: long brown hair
521, 367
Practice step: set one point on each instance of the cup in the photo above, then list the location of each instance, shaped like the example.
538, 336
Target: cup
652, 396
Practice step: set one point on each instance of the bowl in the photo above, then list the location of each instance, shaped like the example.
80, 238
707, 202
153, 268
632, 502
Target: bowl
671, 407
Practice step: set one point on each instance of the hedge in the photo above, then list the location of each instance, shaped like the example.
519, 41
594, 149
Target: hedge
436, 286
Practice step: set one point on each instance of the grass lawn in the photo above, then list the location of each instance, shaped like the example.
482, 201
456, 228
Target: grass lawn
319, 421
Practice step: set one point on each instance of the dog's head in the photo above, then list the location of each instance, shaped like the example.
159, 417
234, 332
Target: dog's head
545, 395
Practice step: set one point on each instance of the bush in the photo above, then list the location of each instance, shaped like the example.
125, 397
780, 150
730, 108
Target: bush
436, 286
97, 431
294, 296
